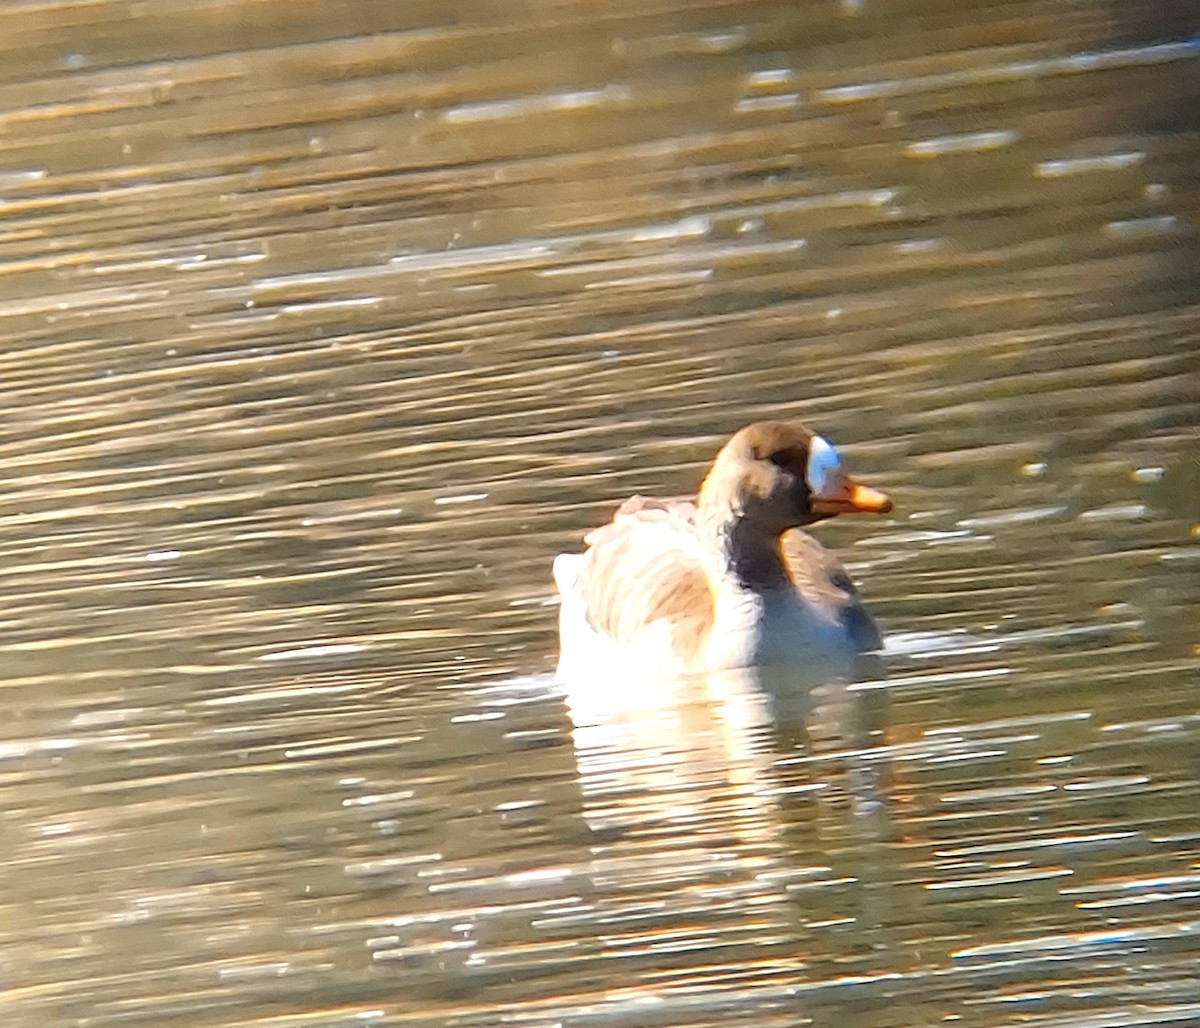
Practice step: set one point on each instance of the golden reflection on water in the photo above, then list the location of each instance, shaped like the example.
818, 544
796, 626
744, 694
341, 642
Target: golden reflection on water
328, 327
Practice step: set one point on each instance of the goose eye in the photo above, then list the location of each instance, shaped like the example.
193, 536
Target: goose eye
824, 467
788, 460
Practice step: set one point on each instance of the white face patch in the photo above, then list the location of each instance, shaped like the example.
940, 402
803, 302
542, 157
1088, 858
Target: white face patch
824, 467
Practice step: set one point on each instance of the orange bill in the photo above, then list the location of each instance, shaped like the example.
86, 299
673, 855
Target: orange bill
852, 498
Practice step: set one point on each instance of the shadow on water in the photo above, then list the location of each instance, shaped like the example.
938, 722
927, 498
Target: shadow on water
326, 329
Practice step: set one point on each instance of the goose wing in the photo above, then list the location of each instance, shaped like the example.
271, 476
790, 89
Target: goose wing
643, 570
825, 583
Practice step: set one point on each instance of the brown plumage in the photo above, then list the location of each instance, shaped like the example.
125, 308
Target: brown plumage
643, 567
725, 581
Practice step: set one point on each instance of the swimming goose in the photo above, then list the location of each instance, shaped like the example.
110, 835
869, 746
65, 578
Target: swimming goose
671, 586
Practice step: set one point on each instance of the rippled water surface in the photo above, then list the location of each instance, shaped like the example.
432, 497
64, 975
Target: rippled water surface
327, 325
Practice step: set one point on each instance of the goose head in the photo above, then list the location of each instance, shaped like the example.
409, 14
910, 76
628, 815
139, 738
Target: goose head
777, 476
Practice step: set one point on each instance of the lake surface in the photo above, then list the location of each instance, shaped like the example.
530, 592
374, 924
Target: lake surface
328, 325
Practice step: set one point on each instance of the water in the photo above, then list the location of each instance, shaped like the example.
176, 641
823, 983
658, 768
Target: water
327, 328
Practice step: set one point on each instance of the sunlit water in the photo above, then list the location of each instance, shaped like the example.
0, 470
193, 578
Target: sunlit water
327, 327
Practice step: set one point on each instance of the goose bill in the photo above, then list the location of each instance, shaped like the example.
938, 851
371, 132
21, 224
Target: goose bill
852, 498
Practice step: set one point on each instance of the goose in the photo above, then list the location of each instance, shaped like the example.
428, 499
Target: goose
726, 581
